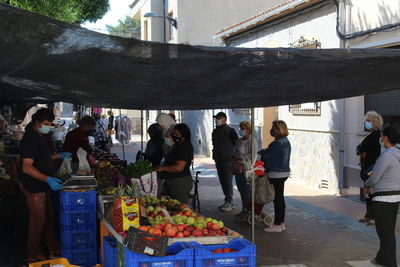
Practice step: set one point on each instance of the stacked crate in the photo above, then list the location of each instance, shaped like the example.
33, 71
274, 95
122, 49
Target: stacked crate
78, 227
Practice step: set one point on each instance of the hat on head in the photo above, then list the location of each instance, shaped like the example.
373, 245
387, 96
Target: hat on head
220, 115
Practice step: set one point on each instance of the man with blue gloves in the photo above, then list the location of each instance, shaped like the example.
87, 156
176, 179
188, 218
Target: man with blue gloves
36, 181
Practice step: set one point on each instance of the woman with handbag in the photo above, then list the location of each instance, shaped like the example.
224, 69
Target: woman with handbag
369, 150
276, 161
242, 162
384, 182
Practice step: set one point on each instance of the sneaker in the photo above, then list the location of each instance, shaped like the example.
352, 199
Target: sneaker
225, 203
364, 220
274, 229
371, 222
283, 226
227, 207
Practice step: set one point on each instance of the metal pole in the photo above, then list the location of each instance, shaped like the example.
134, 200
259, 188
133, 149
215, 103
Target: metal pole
253, 132
141, 130
123, 145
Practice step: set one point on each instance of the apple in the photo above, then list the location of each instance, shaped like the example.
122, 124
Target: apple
184, 205
152, 214
157, 232
186, 233
209, 225
159, 226
214, 221
219, 232
179, 235
190, 221
209, 219
181, 227
144, 228
205, 231
151, 230
158, 218
161, 213
197, 232
187, 213
215, 226
170, 232
221, 223
189, 228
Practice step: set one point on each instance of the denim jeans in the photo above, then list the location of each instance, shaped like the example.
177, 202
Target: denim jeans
225, 178
243, 188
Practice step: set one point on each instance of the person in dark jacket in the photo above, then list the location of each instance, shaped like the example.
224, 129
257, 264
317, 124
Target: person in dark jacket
276, 160
384, 182
176, 169
224, 139
369, 150
154, 148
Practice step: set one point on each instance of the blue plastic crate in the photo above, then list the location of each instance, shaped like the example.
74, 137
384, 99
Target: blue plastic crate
78, 220
182, 255
81, 257
77, 240
78, 201
109, 251
244, 257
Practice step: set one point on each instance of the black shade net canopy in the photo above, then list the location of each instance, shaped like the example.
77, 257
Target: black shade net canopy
45, 60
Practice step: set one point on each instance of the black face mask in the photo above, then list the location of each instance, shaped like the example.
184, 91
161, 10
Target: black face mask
177, 139
272, 132
91, 132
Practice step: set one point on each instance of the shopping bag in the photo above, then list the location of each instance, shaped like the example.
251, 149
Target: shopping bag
148, 184
264, 192
65, 168
84, 167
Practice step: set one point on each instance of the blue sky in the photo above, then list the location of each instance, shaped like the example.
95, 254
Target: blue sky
118, 10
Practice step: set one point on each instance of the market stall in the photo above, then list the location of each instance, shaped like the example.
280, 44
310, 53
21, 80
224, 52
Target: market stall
51, 63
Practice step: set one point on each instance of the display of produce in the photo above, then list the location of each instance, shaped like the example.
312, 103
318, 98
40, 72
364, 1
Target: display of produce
137, 169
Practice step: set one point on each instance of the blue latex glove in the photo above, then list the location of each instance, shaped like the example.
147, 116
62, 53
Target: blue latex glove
65, 155
54, 183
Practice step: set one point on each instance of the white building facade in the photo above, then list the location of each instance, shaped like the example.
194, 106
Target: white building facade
324, 135
196, 24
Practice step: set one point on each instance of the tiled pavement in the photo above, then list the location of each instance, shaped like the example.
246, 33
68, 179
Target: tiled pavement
322, 230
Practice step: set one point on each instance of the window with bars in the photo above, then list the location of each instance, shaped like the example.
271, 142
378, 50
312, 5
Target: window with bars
313, 108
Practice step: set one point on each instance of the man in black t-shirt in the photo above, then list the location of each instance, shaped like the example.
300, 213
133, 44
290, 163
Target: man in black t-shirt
36, 181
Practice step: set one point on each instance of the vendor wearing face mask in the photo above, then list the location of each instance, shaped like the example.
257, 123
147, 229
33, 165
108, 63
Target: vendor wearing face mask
369, 151
176, 169
36, 181
79, 137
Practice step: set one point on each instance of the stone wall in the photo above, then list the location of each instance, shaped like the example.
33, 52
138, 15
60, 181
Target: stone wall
315, 159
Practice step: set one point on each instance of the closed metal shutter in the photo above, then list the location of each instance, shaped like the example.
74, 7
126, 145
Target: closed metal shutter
386, 103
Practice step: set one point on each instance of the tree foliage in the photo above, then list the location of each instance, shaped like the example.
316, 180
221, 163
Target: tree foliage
128, 27
76, 11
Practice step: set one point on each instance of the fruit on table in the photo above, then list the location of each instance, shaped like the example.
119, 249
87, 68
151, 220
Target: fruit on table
223, 250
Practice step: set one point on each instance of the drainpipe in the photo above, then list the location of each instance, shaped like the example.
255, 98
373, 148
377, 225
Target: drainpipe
342, 105
164, 19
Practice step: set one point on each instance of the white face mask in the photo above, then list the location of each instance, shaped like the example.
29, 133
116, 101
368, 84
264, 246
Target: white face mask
168, 141
219, 122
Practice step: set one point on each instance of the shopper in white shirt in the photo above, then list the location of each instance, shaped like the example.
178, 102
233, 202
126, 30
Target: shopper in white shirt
384, 184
